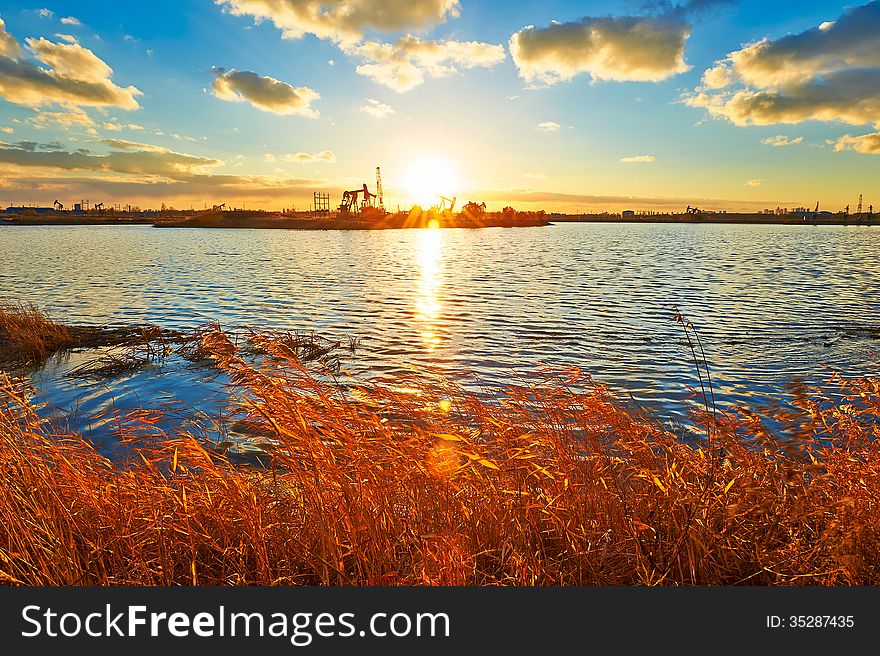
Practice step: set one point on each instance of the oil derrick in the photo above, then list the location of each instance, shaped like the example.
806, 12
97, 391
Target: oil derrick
349, 201
859, 211
381, 204
447, 205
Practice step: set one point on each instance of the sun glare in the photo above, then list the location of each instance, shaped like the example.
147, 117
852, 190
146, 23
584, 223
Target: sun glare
428, 179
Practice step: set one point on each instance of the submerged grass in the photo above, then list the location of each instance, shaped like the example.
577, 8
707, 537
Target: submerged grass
28, 337
553, 484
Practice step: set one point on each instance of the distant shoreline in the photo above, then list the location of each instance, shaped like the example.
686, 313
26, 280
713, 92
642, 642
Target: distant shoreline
392, 222
719, 218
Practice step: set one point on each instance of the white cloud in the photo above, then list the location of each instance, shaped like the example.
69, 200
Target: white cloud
46, 13
634, 159
71, 75
7, 130
548, 126
826, 73
268, 157
309, 158
73, 117
621, 48
344, 21
403, 65
754, 183
376, 109
867, 144
781, 140
264, 93
67, 37
70, 20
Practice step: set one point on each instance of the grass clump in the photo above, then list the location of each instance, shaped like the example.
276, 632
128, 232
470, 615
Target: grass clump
28, 336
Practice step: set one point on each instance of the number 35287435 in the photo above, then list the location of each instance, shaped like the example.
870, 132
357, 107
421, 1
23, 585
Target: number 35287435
810, 621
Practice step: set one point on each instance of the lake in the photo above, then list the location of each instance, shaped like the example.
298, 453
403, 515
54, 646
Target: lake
771, 303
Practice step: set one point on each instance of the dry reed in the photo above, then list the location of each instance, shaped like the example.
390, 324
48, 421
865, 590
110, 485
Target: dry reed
553, 484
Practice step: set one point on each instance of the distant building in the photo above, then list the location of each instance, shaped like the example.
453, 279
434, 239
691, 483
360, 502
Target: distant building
34, 210
627, 214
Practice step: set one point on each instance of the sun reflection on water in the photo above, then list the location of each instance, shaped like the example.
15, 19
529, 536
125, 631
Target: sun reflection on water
429, 255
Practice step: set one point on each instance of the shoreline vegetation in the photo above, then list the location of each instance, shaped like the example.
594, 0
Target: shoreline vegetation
417, 218
558, 483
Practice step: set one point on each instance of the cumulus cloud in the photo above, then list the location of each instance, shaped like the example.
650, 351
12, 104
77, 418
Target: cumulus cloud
46, 13
868, 144
619, 48
376, 109
344, 21
9, 46
548, 126
826, 73
71, 20
70, 75
309, 158
637, 159
263, 92
781, 140
403, 65
126, 157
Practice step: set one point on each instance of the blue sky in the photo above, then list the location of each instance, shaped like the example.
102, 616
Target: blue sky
472, 131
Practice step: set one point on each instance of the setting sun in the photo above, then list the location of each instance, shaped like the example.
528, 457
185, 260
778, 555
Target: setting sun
429, 179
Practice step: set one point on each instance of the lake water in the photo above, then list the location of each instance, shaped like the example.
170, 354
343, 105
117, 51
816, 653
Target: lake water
770, 302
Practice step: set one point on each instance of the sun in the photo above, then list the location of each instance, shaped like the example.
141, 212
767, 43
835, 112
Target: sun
428, 179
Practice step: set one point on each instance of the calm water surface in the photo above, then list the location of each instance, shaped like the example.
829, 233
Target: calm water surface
770, 302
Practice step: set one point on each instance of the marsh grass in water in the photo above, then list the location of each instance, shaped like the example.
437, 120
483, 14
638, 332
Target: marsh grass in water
28, 337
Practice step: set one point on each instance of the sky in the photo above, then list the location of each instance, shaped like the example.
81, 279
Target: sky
556, 105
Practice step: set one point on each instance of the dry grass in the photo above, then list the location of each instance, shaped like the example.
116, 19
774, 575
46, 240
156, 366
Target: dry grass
28, 336
548, 485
